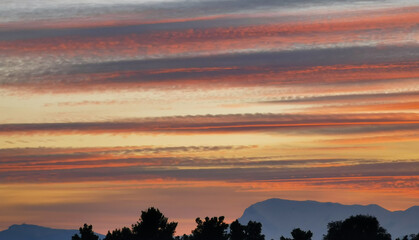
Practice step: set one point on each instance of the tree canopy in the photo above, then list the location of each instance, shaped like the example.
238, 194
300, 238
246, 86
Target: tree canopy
298, 234
210, 229
358, 227
251, 231
237, 231
119, 234
410, 237
153, 225
86, 233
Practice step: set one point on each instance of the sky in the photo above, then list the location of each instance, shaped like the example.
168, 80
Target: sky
202, 108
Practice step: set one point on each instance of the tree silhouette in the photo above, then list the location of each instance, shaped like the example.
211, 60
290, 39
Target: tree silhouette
153, 225
86, 233
298, 234
119, 234
358, 227
237, 231
210, 229
334, 231
410, 237
183, 237
251, 231
254, 231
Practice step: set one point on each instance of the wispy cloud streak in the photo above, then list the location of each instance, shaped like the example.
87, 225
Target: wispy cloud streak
148, 163
218, 124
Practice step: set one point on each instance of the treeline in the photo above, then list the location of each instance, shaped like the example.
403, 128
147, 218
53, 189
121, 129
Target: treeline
153, 225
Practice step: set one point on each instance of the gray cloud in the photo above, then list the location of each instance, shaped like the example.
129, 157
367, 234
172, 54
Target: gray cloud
343, 97
28, 10
227, 123
107, 31
78, 155
284, 59
258, 173
220, 68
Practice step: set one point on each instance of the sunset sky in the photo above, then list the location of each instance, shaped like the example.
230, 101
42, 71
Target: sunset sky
202, 108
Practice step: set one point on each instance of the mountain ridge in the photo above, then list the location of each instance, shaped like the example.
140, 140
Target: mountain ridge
35, 232
280, 216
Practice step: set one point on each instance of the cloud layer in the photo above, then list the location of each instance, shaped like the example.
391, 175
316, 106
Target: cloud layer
175, 103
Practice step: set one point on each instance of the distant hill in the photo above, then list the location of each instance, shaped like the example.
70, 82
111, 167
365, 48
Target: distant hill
279, 217
33, 232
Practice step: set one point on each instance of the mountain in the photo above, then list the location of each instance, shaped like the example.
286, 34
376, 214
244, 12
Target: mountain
279, 217
33, 232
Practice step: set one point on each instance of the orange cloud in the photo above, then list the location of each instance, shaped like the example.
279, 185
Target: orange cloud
231, 76
215, 124
171, 42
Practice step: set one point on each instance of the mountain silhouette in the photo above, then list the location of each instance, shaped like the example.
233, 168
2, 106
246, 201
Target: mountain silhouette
34, 232
279, 217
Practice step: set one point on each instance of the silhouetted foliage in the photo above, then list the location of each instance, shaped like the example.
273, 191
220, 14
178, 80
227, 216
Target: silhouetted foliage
254, 231
153, 225
119, 234
86, 233
410, 237
183, 237
237, 231
298, 234
358, 227
251, 231
210, 229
